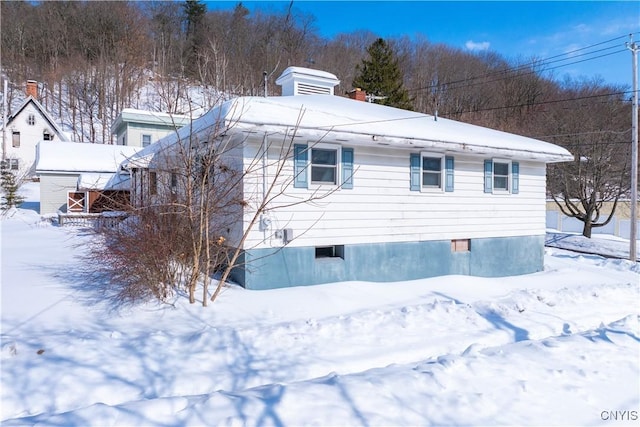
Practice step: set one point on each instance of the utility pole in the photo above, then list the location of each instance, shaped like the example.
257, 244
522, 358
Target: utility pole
633, 46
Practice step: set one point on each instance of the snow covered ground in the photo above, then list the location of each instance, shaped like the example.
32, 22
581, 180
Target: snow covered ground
559, 347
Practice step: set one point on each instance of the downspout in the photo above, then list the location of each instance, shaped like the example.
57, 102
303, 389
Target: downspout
265, 221
264, 166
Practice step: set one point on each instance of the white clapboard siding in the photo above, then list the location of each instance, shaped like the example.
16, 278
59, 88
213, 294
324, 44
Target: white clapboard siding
381, 208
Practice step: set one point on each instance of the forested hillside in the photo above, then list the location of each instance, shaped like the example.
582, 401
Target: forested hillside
93, 59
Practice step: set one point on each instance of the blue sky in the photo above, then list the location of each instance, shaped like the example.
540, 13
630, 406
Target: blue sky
514, 29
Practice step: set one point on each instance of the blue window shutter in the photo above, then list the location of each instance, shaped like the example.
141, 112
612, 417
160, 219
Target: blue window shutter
415, 172
488, 176
448, 182
515, 177
347, 168
300, 166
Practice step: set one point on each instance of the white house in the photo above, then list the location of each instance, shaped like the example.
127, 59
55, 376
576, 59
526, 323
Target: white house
404, 196
140, 128
29, 125
72, 175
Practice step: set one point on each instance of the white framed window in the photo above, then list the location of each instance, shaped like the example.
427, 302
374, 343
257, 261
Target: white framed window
15, 139
432, 171
501, 176
146, 140
324, 164
14, 164
47, 136
31, 119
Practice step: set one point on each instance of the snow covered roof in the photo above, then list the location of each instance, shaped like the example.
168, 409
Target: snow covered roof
149, 117
81, 157
43, 112
103, 181
335, 118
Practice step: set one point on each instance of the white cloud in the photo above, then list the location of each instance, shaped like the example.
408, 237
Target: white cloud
471, 45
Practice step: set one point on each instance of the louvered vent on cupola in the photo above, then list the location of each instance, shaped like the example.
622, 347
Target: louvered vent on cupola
306, 81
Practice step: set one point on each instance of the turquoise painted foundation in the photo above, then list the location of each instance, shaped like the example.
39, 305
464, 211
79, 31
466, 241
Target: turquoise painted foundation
389, 262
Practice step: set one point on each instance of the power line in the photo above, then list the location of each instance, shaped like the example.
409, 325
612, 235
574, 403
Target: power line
582, 144
418, 115
583, 133
537, 63
530, 72
545, 102
451, 86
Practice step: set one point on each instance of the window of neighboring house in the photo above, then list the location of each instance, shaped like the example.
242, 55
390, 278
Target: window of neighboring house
31, 119
501, 176
432, 171
324, 164
336, 251
47, 136
16, 139
146, 140
174, 181
153, 183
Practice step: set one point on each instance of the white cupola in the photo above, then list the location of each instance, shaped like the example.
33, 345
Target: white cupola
306, 81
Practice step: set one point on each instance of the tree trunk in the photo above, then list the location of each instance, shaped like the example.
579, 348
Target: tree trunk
586, 230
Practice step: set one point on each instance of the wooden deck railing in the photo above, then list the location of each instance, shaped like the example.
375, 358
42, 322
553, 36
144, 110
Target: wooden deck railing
95, 220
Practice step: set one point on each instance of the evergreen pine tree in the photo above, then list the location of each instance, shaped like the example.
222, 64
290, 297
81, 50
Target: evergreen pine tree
194, 12
9, 185
380, 76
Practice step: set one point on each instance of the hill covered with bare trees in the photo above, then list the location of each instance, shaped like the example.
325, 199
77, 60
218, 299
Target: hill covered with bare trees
92, 59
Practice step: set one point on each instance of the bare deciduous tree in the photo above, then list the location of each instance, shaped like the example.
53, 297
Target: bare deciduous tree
590, 188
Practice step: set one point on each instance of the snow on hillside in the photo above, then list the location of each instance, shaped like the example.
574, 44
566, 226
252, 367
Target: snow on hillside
559, 347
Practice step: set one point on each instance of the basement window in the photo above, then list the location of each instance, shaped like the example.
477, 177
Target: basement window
460, 245
327, 252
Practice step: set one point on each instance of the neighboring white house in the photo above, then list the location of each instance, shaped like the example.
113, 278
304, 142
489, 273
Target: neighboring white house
29, 125
140, 128
69, 172
405, 196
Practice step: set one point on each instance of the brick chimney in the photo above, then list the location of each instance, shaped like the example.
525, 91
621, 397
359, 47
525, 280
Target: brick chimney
358, 94
32, 88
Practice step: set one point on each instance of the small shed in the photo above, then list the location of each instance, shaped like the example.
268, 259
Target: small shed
81, 177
